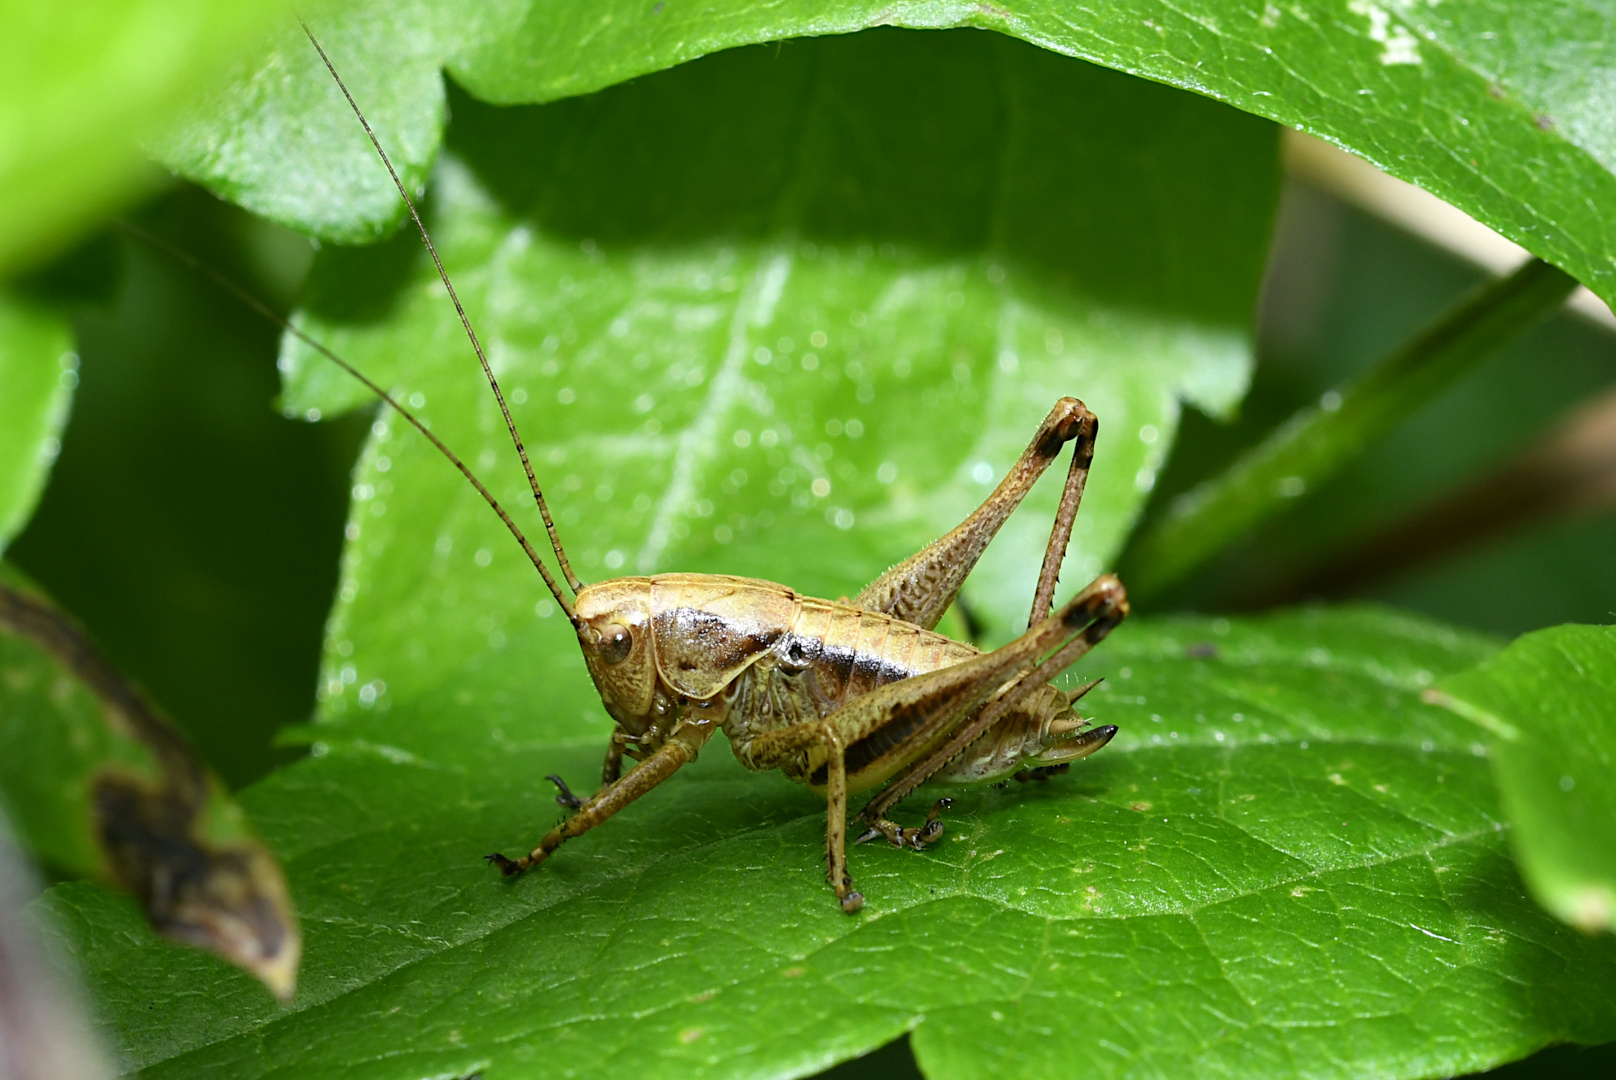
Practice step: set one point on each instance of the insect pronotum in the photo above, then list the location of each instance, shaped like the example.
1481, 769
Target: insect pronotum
844, 696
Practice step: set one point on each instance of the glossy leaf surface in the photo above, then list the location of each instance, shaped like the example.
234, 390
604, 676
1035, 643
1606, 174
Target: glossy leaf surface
1549, 703
1502, 109
804, 367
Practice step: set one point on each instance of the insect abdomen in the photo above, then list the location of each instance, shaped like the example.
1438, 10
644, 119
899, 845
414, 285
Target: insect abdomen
847, 652
835, 653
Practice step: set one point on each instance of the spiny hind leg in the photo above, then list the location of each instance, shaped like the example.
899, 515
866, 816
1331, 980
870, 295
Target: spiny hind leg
1080, 624
919, 589
1087, 428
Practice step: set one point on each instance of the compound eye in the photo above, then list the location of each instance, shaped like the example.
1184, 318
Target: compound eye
615, 643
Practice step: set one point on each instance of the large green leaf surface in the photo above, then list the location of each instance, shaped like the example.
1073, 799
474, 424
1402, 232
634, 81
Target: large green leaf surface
1549, 703
1503, 109
803, 368
37, 374
1284, 865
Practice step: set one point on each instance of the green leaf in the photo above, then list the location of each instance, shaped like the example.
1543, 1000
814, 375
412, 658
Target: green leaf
37, 374
280, 140
1284, 863
1549, 703
81, 85
1284, 859
762, 315
1502, 110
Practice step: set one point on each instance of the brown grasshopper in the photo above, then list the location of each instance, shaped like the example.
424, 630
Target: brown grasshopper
843, 696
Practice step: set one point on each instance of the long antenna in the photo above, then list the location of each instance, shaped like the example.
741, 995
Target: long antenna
521, 450
280, 320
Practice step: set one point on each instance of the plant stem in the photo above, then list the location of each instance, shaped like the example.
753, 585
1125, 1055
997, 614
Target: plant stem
1318, 440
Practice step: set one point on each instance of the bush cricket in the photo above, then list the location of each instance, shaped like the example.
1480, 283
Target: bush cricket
843, 696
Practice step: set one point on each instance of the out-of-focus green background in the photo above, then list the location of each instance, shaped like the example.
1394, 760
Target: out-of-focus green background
1344, 288
190, 527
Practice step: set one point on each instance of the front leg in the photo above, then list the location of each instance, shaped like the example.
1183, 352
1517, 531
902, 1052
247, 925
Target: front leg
613, 766
610, 772
679, 750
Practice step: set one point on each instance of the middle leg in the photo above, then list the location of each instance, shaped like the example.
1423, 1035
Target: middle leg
770, 749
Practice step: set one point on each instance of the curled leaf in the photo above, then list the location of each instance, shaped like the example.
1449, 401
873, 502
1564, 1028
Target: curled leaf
99, 782
1549, 702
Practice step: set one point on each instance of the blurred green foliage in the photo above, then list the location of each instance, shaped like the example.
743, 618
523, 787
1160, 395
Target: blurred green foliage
38, 370
1545, 703
188, 525
81, 85
1318, 440
1343, 289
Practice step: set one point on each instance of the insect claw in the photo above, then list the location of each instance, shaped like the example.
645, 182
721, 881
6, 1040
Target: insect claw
867, 835
932, 830
508, 867
564, 797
